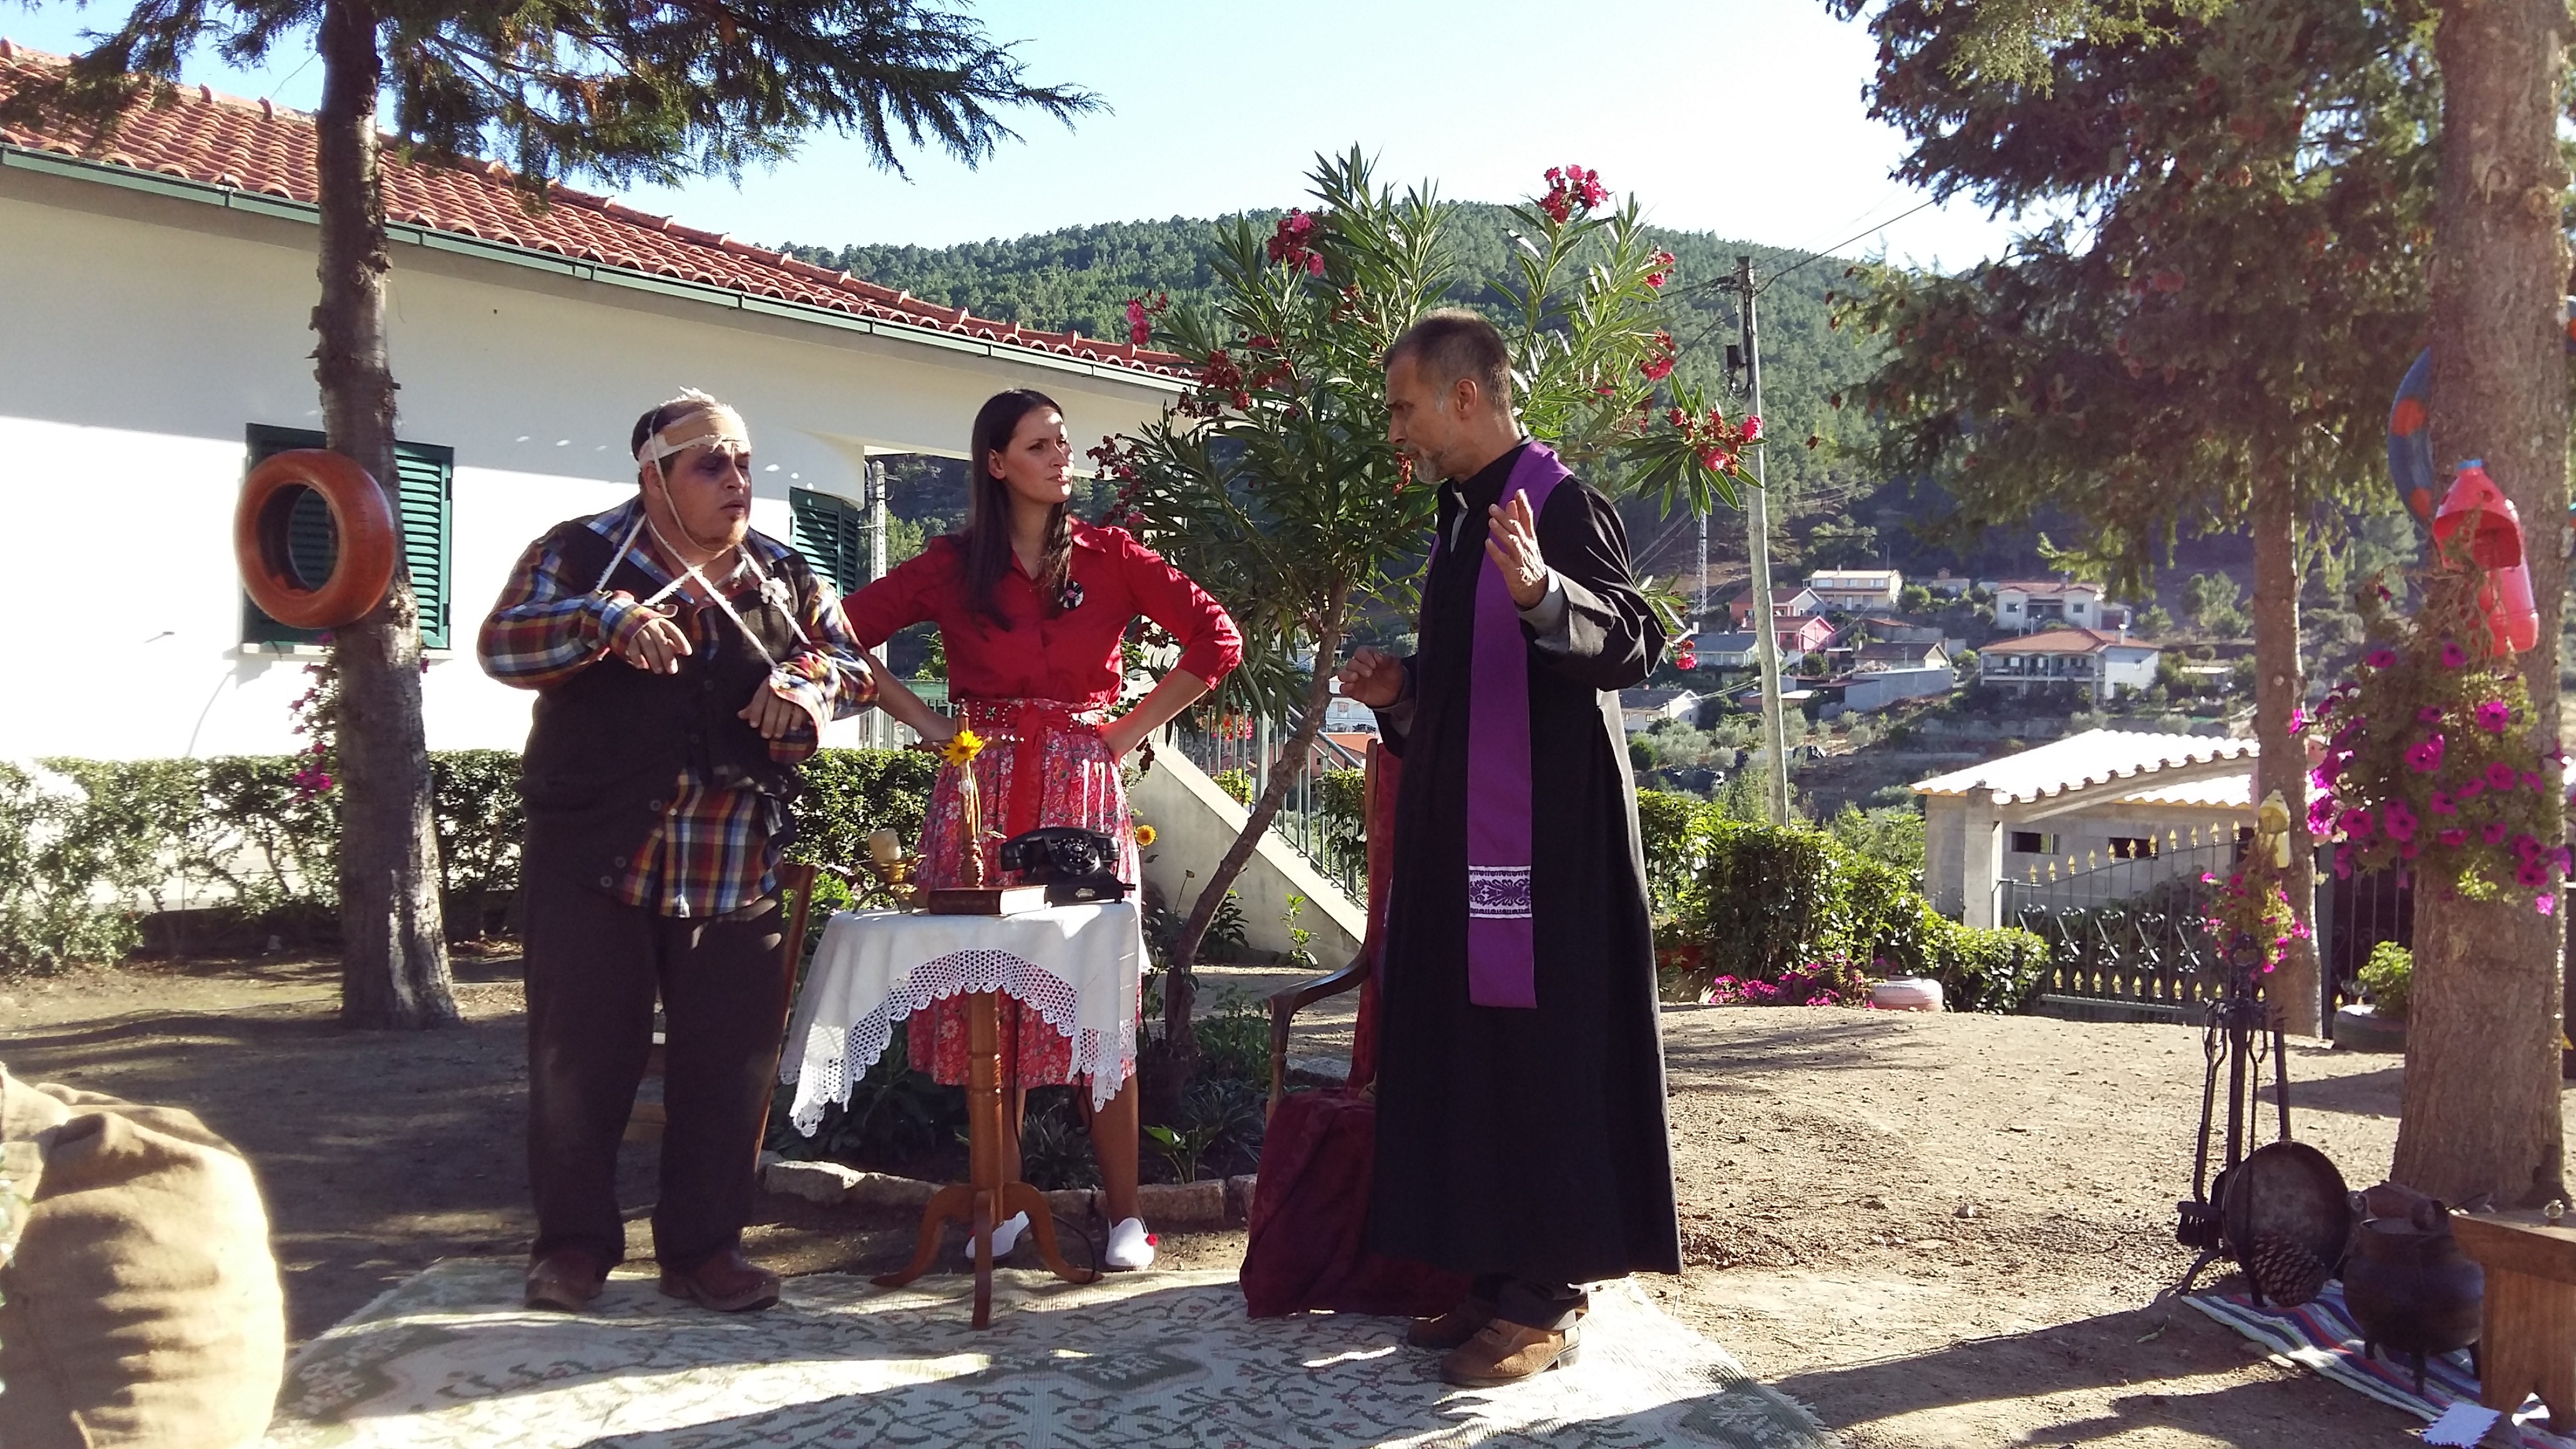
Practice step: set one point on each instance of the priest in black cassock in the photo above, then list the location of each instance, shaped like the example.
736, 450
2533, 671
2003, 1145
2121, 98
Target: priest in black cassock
1520, 1116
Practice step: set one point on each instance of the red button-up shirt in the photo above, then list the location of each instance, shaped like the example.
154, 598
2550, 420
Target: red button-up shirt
1072, 656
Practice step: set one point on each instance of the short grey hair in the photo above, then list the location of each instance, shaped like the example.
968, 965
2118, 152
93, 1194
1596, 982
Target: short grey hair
1452, 343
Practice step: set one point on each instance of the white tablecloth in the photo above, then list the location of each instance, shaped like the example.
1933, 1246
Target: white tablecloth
1077, 966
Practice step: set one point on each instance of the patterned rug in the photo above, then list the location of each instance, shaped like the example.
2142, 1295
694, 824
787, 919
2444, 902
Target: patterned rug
2321, 1336
448, 1358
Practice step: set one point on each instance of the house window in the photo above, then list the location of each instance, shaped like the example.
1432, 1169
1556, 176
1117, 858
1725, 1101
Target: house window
424, 498
2032, 842
2133, 847
832, 535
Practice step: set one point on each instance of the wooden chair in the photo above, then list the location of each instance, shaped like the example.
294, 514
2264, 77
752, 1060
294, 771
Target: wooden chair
1378, 835
795, 879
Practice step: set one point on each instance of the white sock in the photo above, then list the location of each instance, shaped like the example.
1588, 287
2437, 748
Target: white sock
1006, 1236
1130, 1246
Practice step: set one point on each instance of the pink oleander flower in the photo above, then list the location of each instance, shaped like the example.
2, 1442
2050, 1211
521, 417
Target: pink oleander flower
2425, 757
1752, 430
2453, 656
2398, 820
2495, 716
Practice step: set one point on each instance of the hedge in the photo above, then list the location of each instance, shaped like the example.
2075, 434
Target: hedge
1764, 903
87, 855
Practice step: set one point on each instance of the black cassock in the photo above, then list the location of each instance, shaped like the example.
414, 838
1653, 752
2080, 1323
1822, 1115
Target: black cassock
1528, 1142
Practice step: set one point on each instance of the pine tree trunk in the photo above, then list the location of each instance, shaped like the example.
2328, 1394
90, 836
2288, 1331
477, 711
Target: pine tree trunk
2482, 1064
393, 962
2280, 686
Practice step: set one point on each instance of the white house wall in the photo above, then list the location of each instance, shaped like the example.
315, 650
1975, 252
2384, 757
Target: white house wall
145, 334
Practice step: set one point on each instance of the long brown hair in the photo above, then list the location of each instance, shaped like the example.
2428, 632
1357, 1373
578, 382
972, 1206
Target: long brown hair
986, 539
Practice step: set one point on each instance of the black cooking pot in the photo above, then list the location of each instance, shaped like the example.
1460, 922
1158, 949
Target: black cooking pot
2411, 1288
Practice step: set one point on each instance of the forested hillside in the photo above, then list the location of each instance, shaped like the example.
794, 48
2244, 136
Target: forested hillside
1081, 278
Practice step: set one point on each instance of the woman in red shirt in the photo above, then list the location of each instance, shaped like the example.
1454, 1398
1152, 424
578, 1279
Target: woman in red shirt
1031, 605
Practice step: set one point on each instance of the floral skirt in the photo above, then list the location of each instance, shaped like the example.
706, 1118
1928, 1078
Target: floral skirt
1043, 763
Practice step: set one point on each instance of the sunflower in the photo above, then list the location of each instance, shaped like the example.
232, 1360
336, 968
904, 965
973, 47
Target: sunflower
1144, 836
962, 748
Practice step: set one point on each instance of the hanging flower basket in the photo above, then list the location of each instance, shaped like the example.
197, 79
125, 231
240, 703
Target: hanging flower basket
2429, 760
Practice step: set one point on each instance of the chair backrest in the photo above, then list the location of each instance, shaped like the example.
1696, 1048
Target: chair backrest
795, 878
1378, 796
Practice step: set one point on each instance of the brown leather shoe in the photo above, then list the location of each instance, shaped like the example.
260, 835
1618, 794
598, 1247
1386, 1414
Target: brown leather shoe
565, 1280
1506, 1353
727, 1283
1452, 1328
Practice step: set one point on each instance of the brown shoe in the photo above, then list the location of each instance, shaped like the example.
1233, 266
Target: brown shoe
1452, 1328
564, 1280
1506, 1353
727, 1283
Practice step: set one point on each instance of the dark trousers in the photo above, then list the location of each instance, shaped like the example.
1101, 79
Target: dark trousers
1551, 1306
593, 969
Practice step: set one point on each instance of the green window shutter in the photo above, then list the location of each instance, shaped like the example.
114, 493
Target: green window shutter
832, 536
424, 489
425, 485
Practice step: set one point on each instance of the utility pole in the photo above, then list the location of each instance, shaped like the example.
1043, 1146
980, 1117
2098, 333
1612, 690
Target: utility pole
1757, 514
880, 729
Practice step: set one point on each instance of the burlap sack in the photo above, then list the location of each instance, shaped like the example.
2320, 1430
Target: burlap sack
142, 1304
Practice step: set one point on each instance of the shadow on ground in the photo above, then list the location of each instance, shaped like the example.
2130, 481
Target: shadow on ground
2162, 1367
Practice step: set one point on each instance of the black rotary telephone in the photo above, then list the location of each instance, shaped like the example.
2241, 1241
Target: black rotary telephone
1074, 864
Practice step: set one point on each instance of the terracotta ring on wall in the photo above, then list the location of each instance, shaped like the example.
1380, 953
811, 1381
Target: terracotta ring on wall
364, 521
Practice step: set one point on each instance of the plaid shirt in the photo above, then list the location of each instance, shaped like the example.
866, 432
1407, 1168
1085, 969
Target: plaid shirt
712, 851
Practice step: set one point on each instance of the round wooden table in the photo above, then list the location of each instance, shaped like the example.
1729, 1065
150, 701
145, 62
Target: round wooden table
1078, 967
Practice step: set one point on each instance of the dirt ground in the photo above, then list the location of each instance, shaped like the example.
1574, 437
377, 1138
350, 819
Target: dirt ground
1824, 1159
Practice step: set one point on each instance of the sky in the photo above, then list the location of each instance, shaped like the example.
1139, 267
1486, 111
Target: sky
1741, 117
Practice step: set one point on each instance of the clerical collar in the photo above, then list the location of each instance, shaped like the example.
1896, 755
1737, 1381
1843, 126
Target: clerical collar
1486, 486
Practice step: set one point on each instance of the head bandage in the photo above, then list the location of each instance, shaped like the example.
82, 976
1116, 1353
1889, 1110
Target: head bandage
708, 424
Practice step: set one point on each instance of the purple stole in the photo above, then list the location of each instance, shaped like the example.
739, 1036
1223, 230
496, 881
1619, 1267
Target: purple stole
1501, 949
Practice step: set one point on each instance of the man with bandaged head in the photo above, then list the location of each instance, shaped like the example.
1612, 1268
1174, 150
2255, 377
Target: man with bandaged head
684, 665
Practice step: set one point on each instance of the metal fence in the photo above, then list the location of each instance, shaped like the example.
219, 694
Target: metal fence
1238, 753
2128, 930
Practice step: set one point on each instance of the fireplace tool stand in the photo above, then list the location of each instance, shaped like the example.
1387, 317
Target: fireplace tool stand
2242, 1035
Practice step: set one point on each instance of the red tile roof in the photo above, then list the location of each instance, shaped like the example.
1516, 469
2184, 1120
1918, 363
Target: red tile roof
259, 147
2063, 641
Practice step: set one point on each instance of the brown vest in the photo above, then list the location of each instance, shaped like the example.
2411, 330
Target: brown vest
611, 740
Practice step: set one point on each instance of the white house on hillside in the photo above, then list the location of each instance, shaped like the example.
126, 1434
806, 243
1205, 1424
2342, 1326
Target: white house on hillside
157, 343
1859, 591
2027, 604
2100, 795
2104, 663
1642, 709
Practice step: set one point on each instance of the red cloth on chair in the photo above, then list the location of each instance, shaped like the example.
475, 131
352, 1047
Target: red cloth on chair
1309, 1219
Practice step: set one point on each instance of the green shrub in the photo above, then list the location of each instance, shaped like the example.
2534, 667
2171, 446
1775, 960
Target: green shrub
80, 859
1234, 1042
1769, 900
850, 793
1236, 783
1999, 971
2389, 976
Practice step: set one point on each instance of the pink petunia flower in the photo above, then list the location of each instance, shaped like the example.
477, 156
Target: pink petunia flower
2545, 903
2380, 658
2453, 656
2494, 716
2501, 776
2493, 832
2455, 836
2397, 820
2358, 824
2425, 757
2429, 714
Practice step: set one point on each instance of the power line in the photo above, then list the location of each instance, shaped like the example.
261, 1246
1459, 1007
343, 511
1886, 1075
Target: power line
1811, 257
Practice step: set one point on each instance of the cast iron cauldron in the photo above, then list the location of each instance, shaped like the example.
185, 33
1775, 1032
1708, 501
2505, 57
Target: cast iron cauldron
2411, 1288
